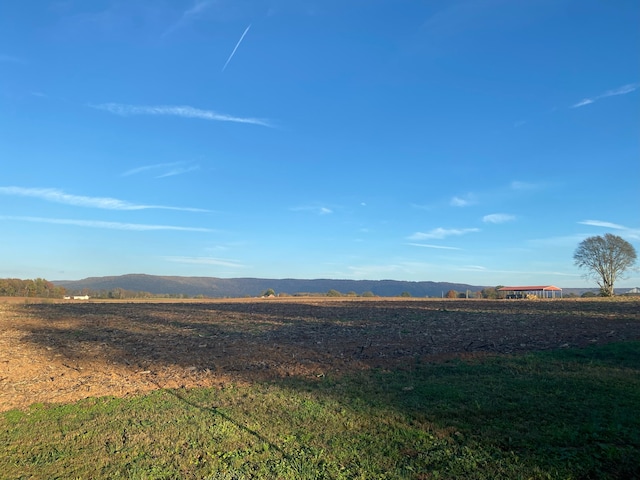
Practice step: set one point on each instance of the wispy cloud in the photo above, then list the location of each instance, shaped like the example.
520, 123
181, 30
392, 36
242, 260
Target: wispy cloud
421, 207
631, 233
138, 227
179, 171
106, 203
146, 168
171, 169
464, 201
183, 111
236, 48
582, 103
189, 15
498, 218
623, 90
473, 268
439, 247
598, 223
441, 233
205, 261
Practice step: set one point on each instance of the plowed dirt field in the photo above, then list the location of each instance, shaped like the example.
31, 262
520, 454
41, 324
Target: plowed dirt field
64, 351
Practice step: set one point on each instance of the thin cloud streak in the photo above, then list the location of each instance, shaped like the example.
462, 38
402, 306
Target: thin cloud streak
441, 233
175, 168
184, 111
462, 202
105, 203
204, 261
179, 171
631, 233
623, 90
138, 227
498, 218
582, 103
145, 168
459, 202
598, 223
235, 48
426, 245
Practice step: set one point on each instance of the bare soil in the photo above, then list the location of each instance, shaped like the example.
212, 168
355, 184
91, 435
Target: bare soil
65, 351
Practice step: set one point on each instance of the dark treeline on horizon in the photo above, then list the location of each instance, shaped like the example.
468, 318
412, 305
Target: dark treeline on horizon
41, 288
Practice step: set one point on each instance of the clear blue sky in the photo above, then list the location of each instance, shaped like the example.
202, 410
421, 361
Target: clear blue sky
474, 141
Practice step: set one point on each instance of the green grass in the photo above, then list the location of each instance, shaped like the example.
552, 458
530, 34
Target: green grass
570, 414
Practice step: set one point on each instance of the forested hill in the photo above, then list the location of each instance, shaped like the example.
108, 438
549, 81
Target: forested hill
240, 287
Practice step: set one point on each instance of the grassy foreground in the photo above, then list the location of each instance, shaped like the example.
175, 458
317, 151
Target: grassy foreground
567, 414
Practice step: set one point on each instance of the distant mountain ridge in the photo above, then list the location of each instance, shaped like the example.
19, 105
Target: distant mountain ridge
241, 287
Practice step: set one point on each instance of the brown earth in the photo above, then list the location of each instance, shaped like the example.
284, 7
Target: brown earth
65, 351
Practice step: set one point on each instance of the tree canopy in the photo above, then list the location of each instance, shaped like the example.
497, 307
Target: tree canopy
15, 287
605, 259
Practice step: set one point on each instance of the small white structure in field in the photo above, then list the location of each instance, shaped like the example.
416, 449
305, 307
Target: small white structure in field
81, 297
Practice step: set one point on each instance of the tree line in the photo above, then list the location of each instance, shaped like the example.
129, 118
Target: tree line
491, 292
39, 287
42, 288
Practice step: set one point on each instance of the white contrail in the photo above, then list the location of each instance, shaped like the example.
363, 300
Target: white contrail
236, 47
623, 90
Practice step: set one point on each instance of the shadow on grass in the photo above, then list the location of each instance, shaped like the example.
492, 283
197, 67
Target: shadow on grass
562, 414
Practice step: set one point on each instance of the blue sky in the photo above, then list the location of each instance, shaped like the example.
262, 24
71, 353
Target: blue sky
474, 141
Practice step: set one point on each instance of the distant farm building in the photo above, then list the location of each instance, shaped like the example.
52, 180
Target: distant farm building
548, 291
76, 297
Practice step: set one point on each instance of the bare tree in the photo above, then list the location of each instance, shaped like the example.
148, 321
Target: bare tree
605, 259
